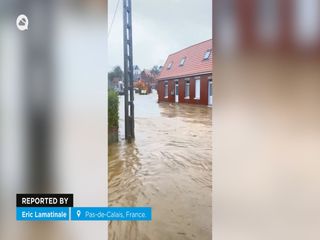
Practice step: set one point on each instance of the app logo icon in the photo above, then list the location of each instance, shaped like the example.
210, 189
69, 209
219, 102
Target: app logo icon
22, 22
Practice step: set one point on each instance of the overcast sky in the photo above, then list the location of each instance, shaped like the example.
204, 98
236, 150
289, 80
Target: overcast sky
160, 28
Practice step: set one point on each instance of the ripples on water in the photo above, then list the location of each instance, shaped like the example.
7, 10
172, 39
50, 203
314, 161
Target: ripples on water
167, 167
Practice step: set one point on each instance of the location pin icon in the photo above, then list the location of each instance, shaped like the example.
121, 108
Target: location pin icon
78, 213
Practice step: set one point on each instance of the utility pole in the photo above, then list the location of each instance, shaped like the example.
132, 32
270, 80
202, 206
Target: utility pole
38, 77
128, 70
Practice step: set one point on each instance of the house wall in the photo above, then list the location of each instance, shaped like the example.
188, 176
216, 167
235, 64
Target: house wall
246, 17
182, 83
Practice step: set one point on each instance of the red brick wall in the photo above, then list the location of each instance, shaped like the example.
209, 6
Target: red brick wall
160, 90
171, 84
247, 16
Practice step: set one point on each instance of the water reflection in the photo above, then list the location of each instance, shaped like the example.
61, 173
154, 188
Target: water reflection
167, 167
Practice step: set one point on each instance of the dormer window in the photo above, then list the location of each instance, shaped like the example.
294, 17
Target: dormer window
182, 61
170, 66
207, 54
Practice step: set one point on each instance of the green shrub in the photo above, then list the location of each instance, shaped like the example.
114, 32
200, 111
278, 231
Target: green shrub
113, 116
113, 110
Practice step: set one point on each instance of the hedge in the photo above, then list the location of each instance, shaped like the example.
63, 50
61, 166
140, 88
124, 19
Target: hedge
113, 114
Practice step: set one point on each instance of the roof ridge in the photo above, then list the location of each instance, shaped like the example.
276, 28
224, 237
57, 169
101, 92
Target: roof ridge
189, 47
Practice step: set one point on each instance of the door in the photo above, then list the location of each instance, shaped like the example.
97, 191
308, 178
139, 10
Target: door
210, 92
176, 92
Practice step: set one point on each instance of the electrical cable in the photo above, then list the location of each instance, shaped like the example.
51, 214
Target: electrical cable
113, 18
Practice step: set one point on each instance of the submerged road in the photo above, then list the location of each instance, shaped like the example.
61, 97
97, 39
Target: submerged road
168, 167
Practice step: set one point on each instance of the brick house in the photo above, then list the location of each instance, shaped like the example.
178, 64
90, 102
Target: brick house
272, 25
186, 76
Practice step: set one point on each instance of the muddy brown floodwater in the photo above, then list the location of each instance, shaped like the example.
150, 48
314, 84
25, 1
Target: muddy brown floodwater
168, 167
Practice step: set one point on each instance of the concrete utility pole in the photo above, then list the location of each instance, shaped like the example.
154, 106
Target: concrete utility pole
38, 77
128, 70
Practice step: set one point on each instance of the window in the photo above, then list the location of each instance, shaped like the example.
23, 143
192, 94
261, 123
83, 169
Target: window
267, 21
166, 90
187, 89
227, 25
306, 22
210, 88
207, 55
169, 66
182, 61
197, 89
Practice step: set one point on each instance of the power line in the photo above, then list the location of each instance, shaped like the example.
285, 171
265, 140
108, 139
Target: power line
113, 18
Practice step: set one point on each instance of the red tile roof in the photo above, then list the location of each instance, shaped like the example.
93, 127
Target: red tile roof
194, 63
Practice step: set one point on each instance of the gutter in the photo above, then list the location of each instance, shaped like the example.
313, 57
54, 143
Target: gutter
183, 76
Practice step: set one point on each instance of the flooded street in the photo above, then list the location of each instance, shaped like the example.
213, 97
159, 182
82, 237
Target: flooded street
168, 167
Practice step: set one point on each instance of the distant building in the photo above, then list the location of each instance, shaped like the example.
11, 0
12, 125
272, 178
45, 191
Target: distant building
117, 85
186, 76
113, 82
136, 73
149, 78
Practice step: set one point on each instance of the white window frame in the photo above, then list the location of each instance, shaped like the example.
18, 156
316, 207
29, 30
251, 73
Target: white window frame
166, 89
187, 86
207, 54
197, 89
182, 61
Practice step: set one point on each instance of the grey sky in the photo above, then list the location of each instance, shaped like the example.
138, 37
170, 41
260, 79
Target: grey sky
160, 27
